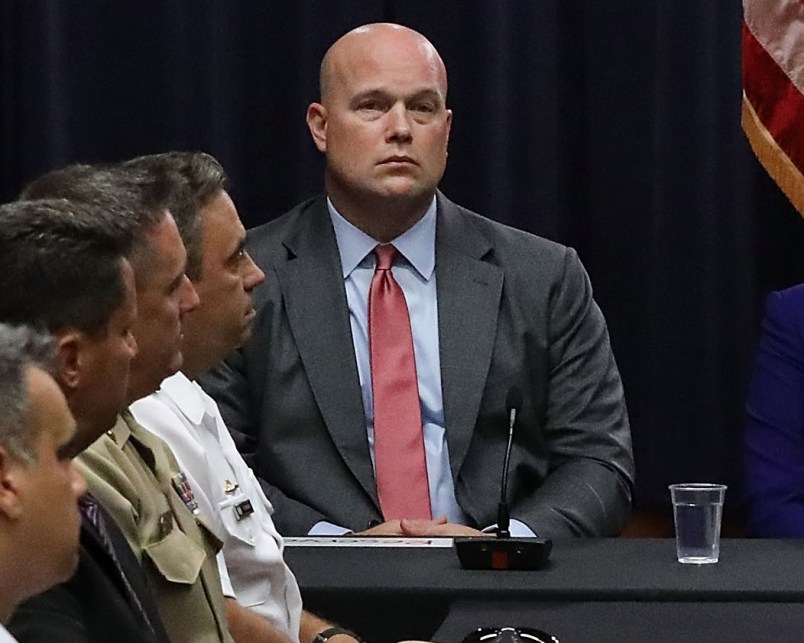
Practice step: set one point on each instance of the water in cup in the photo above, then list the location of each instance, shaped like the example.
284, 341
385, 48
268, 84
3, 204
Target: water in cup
697, 509
698, 532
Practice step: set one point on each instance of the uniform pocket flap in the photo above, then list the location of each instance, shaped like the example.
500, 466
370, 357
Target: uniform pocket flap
176, 557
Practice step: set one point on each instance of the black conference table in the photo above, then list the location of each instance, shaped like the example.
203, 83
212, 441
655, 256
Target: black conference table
617, 589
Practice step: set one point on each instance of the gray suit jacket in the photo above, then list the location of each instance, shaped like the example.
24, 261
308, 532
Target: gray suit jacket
513, 309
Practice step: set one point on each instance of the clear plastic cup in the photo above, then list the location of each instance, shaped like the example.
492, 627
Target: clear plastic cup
697, 511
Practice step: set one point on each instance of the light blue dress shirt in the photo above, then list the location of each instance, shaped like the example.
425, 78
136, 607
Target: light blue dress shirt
414, 271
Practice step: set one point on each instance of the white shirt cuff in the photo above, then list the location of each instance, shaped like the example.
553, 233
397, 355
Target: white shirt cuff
518, 529
325, 528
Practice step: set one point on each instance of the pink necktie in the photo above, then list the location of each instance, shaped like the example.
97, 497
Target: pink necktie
398, 441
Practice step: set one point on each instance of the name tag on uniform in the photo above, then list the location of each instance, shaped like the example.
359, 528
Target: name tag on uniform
243, 509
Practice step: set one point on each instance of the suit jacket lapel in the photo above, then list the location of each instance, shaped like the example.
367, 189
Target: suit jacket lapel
469, 291
318, 313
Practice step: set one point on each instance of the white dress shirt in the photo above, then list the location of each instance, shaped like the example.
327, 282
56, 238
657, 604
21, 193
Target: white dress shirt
229, 497
5, 637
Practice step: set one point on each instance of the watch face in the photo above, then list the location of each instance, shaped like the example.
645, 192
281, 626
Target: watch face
509, 635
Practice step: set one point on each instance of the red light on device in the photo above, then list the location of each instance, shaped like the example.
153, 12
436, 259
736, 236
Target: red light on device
499, 560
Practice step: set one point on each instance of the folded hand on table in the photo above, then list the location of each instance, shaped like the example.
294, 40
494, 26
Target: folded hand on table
421, 528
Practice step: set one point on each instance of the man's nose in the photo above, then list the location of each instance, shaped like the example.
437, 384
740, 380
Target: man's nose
398, 120
189, 297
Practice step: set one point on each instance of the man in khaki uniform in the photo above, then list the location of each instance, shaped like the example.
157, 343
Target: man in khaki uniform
135, 476
132, 472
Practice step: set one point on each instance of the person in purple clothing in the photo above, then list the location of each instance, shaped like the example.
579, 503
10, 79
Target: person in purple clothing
774, 434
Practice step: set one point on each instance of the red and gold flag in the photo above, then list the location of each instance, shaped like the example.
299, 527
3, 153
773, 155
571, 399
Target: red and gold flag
773, 90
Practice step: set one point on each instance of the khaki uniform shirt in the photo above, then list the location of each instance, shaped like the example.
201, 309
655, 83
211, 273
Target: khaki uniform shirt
134, 475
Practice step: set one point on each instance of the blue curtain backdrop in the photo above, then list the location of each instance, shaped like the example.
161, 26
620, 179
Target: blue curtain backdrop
609, 126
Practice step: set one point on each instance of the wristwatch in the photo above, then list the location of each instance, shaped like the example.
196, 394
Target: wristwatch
326, 635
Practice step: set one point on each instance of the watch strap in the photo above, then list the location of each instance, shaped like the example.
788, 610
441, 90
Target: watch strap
326, 635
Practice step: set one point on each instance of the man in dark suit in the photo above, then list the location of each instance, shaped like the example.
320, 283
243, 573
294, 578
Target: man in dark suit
63, 267
490, 308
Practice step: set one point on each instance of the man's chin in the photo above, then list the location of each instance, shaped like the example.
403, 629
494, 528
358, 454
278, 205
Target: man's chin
401, 188
142, 387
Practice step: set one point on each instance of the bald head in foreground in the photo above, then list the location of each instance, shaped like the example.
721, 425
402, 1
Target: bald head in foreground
393, 322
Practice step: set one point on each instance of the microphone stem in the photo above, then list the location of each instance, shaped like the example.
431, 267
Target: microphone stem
503, 517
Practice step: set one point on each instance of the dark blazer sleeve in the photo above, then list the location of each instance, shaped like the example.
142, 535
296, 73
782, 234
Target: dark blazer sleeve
572, 466
587, 491
774, 433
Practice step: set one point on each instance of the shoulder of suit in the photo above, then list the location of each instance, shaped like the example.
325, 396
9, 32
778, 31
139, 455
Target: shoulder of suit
792, 297
504, 239
276, 241
277, 226
785, 308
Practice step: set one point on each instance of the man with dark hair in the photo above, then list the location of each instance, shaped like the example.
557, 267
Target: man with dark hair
131, 472
189, 421
393, 323
196, 179
39, 487
139, 200
63, 267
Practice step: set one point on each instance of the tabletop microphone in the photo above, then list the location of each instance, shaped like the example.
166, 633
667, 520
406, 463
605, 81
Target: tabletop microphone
513, 404
502, 551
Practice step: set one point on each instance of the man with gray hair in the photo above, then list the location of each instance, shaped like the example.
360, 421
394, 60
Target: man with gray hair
39, 487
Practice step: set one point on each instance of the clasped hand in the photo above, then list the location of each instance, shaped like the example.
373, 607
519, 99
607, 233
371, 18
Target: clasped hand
421, 528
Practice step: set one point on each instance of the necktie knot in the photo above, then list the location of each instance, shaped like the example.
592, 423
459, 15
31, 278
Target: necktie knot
385, 256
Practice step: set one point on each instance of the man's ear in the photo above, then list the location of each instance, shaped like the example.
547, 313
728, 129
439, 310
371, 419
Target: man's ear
317, 122
69, 345
10, 499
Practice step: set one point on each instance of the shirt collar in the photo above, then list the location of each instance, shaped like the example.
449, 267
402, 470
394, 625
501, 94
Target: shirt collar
185, 395
417, 244
121, 432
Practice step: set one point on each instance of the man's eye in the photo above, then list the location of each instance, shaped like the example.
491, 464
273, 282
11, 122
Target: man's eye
239, 257
425, 108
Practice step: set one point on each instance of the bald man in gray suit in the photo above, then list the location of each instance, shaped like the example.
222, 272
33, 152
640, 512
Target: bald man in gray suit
490, 307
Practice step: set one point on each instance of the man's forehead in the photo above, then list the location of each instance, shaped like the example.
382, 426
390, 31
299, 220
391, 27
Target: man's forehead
162, 257
389, 77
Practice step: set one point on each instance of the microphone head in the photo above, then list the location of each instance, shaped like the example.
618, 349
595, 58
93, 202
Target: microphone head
513, 400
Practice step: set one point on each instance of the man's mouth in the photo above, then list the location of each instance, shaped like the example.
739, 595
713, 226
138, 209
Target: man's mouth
398, 159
